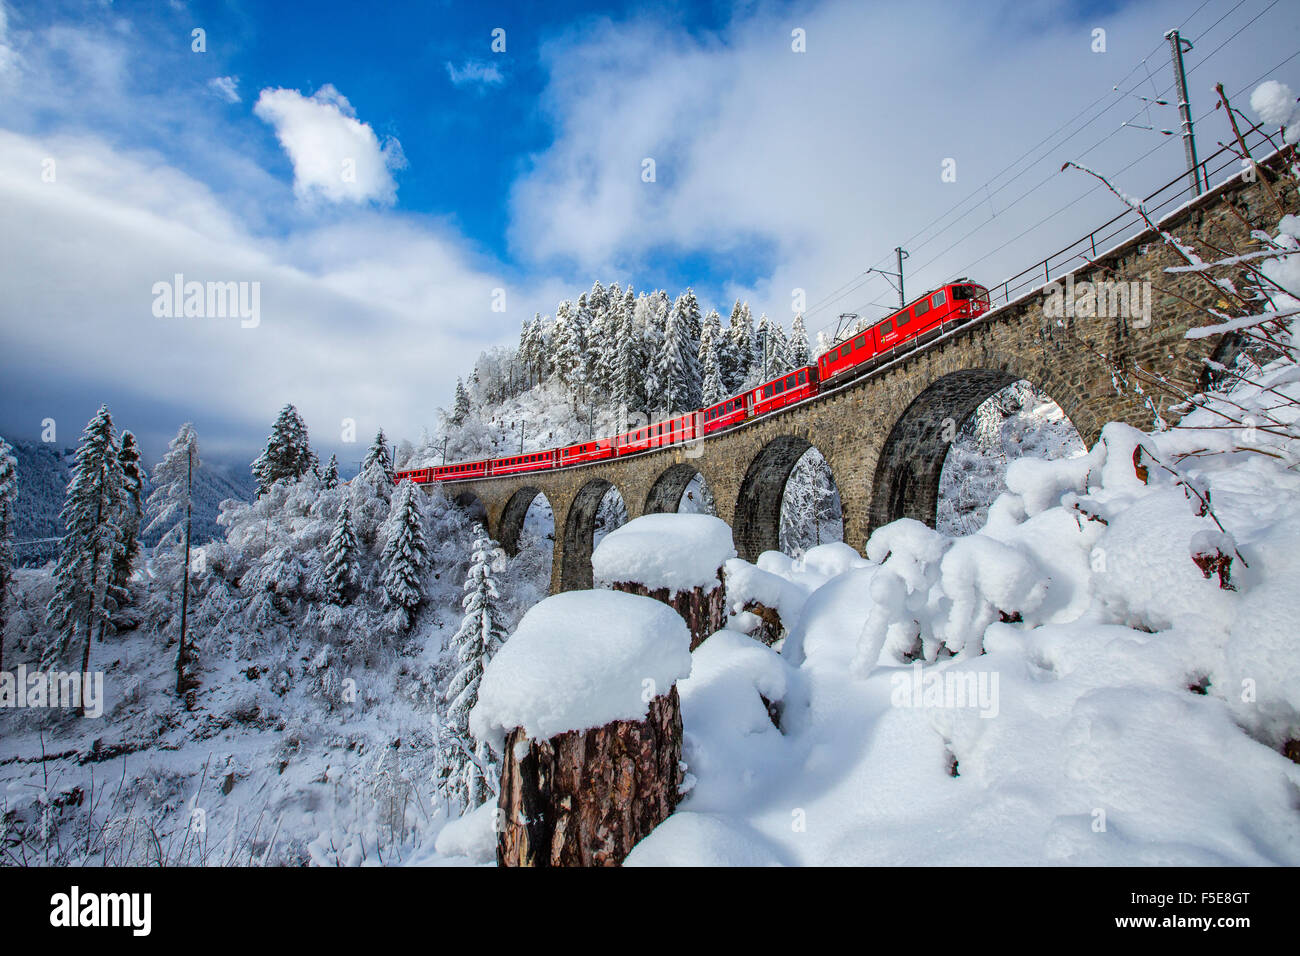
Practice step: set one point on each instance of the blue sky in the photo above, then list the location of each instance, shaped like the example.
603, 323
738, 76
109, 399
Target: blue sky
776, 171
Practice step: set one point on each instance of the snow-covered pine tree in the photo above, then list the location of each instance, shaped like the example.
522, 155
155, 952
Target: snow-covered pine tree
694, 329
800, 353
460, 410
778, 350
567, 348
628, 383
92, 515
404, 557
653, 309
288, 455
8, 505
469, 770
379, 455
596, 355
342, 571
739, 355
128, 456
538, 336
331, 477
675, 368
170, 509
523, 353
712, 390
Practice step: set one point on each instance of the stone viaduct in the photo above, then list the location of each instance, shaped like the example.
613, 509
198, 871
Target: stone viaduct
885, 435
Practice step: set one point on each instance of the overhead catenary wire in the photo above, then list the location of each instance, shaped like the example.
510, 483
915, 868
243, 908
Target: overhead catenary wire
987, 190
1092, 189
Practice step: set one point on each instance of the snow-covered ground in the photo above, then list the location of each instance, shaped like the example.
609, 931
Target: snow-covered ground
1135, 715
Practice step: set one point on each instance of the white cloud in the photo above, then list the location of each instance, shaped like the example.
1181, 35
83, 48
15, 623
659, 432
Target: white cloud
821, 162
226, 87
371, 318
475, 73
335, 156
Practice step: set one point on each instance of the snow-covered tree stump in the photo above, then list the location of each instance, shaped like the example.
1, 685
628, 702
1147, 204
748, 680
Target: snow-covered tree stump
585, 798
676, 559
582, 703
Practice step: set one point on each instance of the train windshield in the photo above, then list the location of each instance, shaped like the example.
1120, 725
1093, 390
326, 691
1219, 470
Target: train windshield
964, 292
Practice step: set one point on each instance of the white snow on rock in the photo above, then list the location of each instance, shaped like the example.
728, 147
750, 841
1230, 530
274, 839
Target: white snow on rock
674, 551
580, 660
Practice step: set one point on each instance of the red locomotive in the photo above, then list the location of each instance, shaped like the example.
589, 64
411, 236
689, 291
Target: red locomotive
920, 321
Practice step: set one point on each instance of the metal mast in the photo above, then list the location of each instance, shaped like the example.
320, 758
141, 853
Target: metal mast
1177, 47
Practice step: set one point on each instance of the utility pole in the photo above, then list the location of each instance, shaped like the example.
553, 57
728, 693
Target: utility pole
444, 448
902, 299
1177, 47
521, 438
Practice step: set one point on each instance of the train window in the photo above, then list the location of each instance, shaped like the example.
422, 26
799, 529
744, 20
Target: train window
886, 326
939, 298
767, 391
860, 342
803, 376
921, 307
790, 381
960, 292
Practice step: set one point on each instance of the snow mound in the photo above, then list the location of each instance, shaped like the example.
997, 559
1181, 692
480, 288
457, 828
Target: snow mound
749, 583
580, 660
473, 836
702, 839
674, 551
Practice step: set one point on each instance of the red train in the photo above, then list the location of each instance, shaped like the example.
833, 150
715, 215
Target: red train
917, 323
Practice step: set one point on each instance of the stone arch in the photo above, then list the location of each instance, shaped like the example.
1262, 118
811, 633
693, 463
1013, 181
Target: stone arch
474, 508
910, 463
757, 524
666, 493
579, 533
511, 523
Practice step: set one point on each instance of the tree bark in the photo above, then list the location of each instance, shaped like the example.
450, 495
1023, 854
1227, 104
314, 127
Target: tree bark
585, 798
704, 613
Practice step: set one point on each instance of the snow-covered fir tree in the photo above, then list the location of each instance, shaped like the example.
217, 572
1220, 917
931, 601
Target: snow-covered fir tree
170, 511
132, 512
331, 477
8, 503
628, 383
342, 560
379, 456
171, 502
712, 390
468, 769
738, 357
461, 409
404, 557
288, 454
677, 367
800, 353
92, 515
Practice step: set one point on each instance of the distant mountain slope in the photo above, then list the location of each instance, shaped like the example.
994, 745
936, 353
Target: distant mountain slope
43, 473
